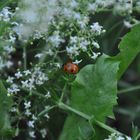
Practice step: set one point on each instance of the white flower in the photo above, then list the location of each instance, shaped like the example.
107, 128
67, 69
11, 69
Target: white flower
73, 4
18, 75
34, 117
31, 124
39, 55
73, 39
95, 44
13, 89
48, 95
27, 105
25, 84
115, 136
47, 116
55, 39
27, 72
13, 109
49, 52
84, 44
12, 38
95, 55
127, 24
9, 49
28, 112
10, 79
92, 7
32, 134
5, 14
96, 28
73, 50
43, 133
8, 64
77, 61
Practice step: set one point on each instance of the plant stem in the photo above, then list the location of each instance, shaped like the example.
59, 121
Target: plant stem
25, 57
66, 107
46, 110
110, 129
87, 117
138, 136
129, 89
63, 92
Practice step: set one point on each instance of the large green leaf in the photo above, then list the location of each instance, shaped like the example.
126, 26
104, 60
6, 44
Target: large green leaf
94, 90
5, 105
93, 93
129, 48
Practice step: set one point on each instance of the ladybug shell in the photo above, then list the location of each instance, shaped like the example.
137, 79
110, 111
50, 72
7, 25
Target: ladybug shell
71, 68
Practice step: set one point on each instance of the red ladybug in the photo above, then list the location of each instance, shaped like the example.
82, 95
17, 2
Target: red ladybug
71, 68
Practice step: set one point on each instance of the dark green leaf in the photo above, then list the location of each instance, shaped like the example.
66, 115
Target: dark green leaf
5, 105
129, 48
94, 92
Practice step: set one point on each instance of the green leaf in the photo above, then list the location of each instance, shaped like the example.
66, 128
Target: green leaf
5, 105
129, 49
76, 127
94, 92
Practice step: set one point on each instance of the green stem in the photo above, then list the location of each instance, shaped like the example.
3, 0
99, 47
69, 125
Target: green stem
66, 107
129, 89
138, 136
25, 57
110, 129
63, 92
87, 117
46, 110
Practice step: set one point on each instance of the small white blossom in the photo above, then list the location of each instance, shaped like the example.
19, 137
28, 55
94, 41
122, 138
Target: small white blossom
95, 55
18, 75
25, 84
31, 124
39, 55
13, 89
27, 105
10, 79
28, 112
9, 49
77, 61
32, 134
34, 117
8, 64
115, 136
12, 38
55, 39
13, 109
96, 28
43, 133
47, 116
95, 44
27, 72
48, 95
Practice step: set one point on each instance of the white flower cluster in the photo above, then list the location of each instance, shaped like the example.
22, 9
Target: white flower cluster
7, 39
59, 22
35, 16
48, 19
123, 7
115, 136
28, 80
6, 14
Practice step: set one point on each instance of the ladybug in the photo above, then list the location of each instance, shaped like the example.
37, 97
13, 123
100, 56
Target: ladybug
71, 68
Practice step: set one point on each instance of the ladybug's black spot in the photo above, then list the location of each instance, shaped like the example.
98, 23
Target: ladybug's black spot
72, 71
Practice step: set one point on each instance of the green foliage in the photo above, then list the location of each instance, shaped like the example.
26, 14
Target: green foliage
129, 49
93, 93
5, 105
94, 90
